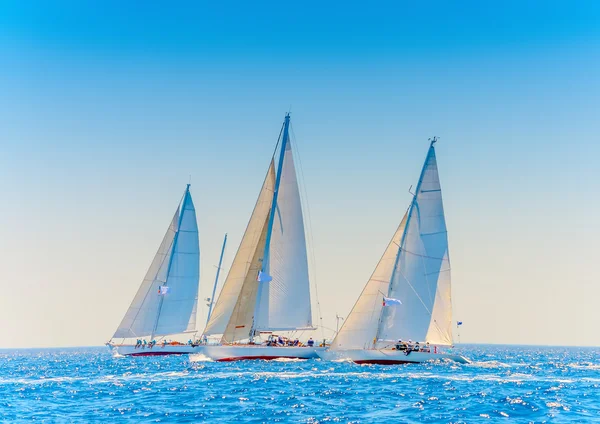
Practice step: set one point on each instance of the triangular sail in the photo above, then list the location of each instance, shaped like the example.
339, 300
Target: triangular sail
288, 263
243, 272
273, 247
175, 265
421, 279
360, 326
178, 311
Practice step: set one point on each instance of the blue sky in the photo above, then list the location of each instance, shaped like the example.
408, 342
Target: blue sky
107, 110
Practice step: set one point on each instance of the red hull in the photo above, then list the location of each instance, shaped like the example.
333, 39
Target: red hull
156, 353
250, 358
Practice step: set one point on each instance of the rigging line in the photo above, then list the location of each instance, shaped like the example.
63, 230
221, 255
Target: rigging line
437, 232
417, 254
310, 232
329, 329
278, 141
379, 281
437, 272
413, 289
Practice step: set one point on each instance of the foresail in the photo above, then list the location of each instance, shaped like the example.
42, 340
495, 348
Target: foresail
140, 317
288, 263
440, 326
177, 313
360, 327
421, 279
244, 269
240, 324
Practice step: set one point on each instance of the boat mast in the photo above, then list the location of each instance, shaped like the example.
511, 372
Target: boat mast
162, 296
433, 141
337, 323
265, 262
211, 302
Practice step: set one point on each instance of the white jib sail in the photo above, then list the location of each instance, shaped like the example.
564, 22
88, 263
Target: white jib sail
360, 326
421, 279
176, 266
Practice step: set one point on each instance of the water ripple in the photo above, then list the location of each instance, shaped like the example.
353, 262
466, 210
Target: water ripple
526, 384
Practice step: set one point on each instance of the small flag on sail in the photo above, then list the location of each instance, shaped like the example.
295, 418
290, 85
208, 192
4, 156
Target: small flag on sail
162, 290
458, 323
263, 277
388, 301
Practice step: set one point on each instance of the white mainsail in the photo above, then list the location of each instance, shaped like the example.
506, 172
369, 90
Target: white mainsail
176, 265
418, 275
273, 245
287, 260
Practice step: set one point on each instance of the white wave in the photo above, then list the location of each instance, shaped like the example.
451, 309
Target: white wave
348, 360
584, 366
198, 357
489, 364
41, 380
288, 360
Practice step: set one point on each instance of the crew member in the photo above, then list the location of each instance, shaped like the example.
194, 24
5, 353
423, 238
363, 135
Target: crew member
400, 345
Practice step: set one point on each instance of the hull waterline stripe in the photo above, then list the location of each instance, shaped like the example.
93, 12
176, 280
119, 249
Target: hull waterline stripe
250, 358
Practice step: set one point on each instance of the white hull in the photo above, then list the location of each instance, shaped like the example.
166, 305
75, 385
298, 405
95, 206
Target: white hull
158, 350
387, 356
249, 352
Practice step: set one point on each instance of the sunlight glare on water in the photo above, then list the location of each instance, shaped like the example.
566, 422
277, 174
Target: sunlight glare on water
529, 384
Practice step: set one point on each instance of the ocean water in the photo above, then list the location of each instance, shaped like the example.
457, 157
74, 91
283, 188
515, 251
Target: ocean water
516, 383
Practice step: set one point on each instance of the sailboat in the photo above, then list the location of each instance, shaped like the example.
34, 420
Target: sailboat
267, 288
166, 302
408, 296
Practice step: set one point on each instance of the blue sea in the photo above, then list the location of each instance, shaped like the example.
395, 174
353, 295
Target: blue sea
518, 383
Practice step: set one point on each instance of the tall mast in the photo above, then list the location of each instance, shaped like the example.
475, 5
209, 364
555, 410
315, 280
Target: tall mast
265, 262
162, 296
433, 141
211, 302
